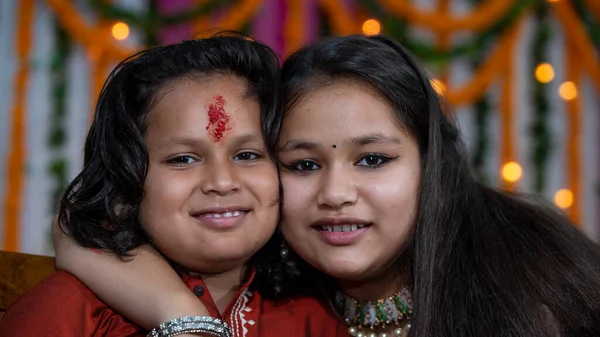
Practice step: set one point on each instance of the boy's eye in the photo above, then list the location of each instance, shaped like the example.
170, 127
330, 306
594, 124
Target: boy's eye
246, 156
181, 160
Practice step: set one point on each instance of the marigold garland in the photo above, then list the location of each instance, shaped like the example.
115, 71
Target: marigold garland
15, 178
293, 26
234, 18
116, 13
577, 36
443, 37
579, 44
200, 24
89, 37
238, 14
507, 136
574, 108
92, 38
485, 74
481, 18
594, 7
590, 21
342, 23
432, 53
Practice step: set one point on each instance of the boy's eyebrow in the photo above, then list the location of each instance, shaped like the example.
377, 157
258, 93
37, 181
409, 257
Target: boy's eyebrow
184, 141
192, 141
248, 138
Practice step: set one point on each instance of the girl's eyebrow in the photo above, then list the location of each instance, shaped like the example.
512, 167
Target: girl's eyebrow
302, 144
374, 138
297, 144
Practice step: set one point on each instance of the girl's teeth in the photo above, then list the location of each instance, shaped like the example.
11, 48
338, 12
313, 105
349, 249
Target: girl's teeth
223, 215
344, 228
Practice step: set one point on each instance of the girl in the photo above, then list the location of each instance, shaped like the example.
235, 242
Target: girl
179, 156
389, 222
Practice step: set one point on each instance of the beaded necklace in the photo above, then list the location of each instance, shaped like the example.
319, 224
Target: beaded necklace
363, 317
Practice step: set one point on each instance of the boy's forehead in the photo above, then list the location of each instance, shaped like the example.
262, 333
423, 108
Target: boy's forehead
212, 112
219, 124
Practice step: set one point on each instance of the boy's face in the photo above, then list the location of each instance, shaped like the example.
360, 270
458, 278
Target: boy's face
211, 191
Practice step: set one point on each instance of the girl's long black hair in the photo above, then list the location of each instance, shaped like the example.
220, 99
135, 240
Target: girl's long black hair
482, 262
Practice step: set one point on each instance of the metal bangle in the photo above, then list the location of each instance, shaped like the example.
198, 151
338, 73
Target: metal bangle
192, 324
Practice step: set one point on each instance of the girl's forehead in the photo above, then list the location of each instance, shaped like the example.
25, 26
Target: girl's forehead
342, 105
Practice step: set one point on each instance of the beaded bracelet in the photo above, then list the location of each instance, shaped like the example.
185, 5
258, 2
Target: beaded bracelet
192, 324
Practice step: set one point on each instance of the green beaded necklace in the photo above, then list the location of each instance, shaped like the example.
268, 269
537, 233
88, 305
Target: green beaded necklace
363, 317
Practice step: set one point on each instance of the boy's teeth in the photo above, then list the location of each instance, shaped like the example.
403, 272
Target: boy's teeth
223, 215
343, 228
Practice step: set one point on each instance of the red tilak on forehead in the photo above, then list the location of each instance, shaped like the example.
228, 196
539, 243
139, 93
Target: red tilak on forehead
218, 119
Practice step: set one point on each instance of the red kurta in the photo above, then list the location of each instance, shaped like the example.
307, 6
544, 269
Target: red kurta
63, 306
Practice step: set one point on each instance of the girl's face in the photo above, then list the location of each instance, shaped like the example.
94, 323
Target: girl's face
351, 179
211, 191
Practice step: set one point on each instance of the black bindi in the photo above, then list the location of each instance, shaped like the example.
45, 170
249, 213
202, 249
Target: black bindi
334, 146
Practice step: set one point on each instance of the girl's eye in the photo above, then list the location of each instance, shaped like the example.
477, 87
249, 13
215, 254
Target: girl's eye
246, 156
373, 160
181, 160
304, 166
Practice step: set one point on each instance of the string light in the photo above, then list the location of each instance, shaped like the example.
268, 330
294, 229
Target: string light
438, 86
544, 73
563, 198
120, 31
567, 91
371, 27
511, 171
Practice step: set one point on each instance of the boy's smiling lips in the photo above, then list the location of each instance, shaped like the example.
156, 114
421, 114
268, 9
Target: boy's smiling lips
221, 217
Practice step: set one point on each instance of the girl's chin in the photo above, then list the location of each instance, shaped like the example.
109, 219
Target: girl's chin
348, 275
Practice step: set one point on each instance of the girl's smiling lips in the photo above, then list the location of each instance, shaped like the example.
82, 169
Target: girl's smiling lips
341, 231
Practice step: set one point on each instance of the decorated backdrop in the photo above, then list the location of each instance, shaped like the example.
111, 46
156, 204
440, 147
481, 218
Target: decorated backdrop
521, 76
